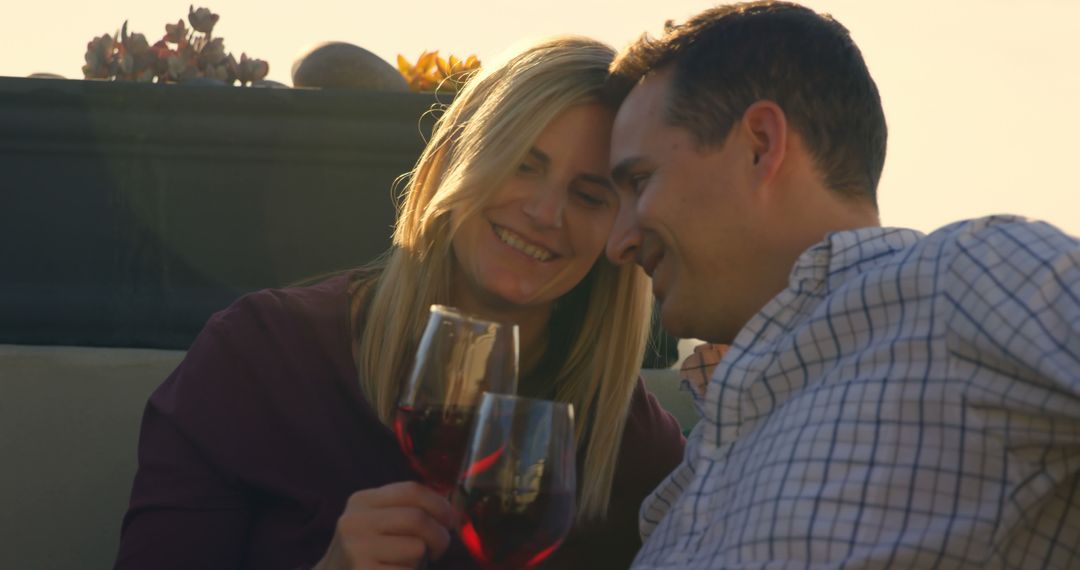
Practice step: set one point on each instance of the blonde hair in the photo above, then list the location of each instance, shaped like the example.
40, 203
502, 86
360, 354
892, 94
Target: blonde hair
484, 133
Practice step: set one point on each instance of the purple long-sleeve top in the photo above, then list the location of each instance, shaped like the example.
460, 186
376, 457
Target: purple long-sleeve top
251, 447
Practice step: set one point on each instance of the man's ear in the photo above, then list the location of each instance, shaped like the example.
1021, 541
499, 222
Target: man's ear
765, 125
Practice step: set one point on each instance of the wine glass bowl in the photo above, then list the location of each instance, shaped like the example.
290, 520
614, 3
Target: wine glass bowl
517, 489
459, 358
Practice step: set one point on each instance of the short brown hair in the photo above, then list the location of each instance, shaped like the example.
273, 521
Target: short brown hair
726, 58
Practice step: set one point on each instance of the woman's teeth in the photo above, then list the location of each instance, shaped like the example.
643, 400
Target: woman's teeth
511, 239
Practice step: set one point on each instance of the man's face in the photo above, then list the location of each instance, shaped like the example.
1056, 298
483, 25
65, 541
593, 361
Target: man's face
690, 216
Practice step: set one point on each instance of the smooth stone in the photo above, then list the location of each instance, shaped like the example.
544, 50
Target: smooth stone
340, 64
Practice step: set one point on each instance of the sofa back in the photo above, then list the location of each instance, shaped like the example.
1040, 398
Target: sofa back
69, 424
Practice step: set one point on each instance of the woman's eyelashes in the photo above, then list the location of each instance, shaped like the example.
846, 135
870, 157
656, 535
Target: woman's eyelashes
588, 196
528, 168
591, 198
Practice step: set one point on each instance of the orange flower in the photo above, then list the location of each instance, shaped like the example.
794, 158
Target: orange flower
432, 72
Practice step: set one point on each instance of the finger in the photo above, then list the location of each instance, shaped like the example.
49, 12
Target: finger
361, 522
375, 551
398, 551
412, 522
408, 494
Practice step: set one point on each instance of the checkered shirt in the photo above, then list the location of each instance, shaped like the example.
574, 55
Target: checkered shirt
908, 401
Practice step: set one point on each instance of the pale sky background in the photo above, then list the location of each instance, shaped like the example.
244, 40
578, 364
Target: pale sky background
981, 96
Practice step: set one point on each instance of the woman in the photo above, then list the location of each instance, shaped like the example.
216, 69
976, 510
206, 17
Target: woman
263, 450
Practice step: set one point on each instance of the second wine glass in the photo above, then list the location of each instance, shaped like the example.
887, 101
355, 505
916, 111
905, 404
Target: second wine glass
459, 358
518, 486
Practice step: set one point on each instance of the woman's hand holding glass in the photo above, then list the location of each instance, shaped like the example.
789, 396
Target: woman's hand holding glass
402, 524
398, 525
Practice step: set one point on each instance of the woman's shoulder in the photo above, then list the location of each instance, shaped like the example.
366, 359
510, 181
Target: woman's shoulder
296, 298
652, 434
316, 312
267, 333
646, 411
272, 354
273, 365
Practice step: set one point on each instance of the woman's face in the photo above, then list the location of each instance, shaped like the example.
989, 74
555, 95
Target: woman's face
541, 231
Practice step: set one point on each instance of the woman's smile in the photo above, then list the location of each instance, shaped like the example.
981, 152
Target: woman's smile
522, 245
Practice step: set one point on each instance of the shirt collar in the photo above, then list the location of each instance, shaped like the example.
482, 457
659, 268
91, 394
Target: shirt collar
843, 254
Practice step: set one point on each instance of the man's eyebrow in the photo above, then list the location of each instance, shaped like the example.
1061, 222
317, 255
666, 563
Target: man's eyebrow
596, 179
621, 172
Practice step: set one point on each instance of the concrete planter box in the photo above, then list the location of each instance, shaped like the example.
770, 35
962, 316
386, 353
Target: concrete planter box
129, 213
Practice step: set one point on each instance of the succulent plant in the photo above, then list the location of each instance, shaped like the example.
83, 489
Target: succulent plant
182, 54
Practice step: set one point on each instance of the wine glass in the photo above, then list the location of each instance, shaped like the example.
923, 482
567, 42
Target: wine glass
517, 488
459, 358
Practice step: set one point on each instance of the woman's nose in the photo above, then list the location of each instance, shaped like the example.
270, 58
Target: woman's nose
546, 205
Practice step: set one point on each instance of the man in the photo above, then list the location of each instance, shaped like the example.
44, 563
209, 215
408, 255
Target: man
889, 399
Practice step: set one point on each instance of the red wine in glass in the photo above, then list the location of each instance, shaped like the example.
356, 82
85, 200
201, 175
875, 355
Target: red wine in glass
459, 358
434, 439
517, 530
516, 492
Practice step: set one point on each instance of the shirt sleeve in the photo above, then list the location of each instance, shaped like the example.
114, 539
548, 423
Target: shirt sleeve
185, 512
1015, 291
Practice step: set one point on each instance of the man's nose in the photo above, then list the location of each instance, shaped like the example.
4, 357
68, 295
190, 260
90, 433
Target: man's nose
625, 239
546, 206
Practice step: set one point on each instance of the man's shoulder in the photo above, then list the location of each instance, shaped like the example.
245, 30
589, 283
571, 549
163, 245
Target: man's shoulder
1000, 252
962, 255
987, 239
1000, 230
